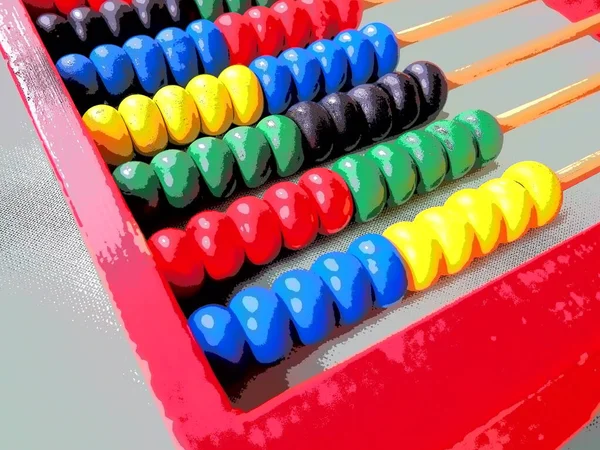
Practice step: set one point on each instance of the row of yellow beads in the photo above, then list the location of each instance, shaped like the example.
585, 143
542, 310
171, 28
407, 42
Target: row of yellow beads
207, 105
473, 222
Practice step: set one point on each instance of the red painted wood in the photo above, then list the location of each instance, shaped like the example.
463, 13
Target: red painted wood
515, 363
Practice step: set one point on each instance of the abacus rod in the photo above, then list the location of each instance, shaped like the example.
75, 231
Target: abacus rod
367, 4
454, 21
535, 109
579, 171
523, 52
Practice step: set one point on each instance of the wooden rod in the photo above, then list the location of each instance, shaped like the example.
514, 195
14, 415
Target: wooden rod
367, 4
454, 21
579, 171
523, 52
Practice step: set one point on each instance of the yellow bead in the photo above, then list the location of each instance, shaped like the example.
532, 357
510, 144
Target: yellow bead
514, 203
478, 208
245, 92
421, 254
179, 113
108, 130
453, 234
145, 124
543, 186
213, 103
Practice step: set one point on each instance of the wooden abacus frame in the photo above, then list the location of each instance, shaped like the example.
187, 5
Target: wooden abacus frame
474, 359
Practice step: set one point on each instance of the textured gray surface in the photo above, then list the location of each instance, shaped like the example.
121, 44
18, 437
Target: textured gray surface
67, 370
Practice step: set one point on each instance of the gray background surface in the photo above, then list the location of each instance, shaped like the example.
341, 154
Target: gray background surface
68, 377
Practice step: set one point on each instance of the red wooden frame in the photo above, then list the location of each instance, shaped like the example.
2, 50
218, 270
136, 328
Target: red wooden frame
514, 363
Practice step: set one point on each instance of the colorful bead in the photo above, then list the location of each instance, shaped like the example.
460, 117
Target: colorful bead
252, 153
349, 122
306, 72
245, 93
334, 64
216, 163
148, 62
210, 45
350, 12
433, 88
114, 68
213, 103
268, 29
210, 9
324, 17
109, 132
488, 134
361, 56
145, 124
376, 106
139, 184
296, 23
178, 175
79, 75
405, 96
238, 6
276, 82
459, 145
180, 114
285, 140
240, 37
385, 44
180, 53
317, 130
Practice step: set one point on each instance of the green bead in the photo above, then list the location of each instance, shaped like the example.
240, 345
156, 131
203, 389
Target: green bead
430, 159
252, 153
216, 163
366, 184
398, 169
266, 3
488, 134
459, 144
139, 184
178, 175
238, 6
285, 140
210, 9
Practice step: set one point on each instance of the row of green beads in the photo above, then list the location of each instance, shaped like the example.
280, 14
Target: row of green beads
419, 161
211, 9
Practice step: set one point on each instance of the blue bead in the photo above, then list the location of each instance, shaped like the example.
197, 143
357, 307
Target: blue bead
79, 72
265, 321
180, 53
276, 81
361, 56
348, 281
306, 72
148, 62
387, 50
218, 333
334, 64
309, 302
114, 68
384, 266
211, 46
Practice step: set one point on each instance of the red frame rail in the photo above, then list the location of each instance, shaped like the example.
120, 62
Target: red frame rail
512, 365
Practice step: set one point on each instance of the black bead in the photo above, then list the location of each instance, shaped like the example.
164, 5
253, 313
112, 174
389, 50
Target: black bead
377, 106
317, 128
182, 12
433, 88
154, 15
57, 34
348, 120
90, 27
122, 20
405, 95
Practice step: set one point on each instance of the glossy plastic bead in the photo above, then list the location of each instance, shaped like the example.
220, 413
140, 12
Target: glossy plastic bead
488, 134
296, 23
210, 9
317, 128
55, 30
268, 29
66, 6
376, 106
332, 197
145, 124
385, 44
420, 253
433, 88
398, 169
306, 72
252, 153
180, 53
324, 17
350, 12
153, 14
121, 18
309, 303
89, 26
258, 227
297, 214
265, 321
459, 145
384, 266
405, 96
240, 36
148, 62
139, 184
361, 56
366, 182
178, 175
430, 159
349, 122
177, 261
210, 45
238, 6
218, 243
285, 139
213, 103
348, 281
109, 133
276, 82
516, 206
453, 233
216, 163
79, 75
543, 186
179, 113
114, 68
334, 64
218, 333
245, 93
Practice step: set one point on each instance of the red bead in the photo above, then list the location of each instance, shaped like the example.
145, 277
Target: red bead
297, 213
38, 7
258, 226
296, 23
240, 36
324, 17
332, 197
351, 12
65, 6
268, 29
219, 244
177, 260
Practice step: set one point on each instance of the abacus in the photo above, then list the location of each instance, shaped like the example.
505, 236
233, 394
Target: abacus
221, 141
